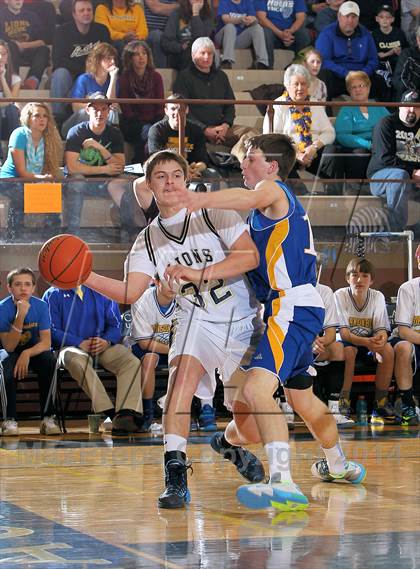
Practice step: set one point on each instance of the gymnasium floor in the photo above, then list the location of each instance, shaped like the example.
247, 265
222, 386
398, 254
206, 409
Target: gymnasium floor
81, 501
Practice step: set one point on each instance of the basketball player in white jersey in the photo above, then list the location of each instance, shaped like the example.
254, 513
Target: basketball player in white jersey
329, 359
285, 282
364, 327
216, 317
406, 343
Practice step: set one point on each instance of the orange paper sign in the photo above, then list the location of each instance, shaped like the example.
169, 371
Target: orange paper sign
42, 198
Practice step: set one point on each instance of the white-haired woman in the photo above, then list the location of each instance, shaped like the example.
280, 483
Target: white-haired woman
308, 126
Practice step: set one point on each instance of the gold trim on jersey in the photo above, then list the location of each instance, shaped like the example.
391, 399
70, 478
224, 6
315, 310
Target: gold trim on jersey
274, 250
275, 334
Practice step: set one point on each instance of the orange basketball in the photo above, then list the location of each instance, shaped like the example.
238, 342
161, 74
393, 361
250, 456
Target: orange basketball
65, 261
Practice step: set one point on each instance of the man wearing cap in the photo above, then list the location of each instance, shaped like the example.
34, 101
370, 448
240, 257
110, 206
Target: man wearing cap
202, 79
346, 46
396, 156
93, 148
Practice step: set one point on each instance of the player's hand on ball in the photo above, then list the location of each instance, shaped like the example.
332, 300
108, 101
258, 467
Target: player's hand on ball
178, 275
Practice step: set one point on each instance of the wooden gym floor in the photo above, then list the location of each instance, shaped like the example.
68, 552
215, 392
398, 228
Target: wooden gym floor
81, 501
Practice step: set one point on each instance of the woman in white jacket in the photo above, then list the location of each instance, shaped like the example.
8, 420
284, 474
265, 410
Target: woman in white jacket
308, 126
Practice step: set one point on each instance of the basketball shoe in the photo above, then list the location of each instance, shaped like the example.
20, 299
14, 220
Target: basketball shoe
247, 464
285, 496
409, 416
176, 493
354, 473
383, 413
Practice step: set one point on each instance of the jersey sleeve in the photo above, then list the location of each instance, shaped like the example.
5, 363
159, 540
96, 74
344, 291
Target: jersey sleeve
380, 315
405, 309
331, 315
142, 314
138, 259
228, 225
343, 317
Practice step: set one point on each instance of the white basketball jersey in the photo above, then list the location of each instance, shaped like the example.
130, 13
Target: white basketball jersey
331, 315
365, 321
196, 240
408, 304
150, 320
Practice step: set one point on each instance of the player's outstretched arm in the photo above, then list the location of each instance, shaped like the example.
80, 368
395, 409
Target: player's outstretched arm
243, 256
265, 194
123, 292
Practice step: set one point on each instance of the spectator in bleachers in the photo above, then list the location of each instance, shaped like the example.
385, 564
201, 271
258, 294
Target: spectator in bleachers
150, 331
35, 152
410, 19
312, 60
329, 359
202, 79
157, 12
407, 71
406, 344
284, 25
308, 126
124, 19
369, 9
25, 334
9, 88
346, 46
165, 135
23, 31
389, 40
139, 80
396, 156
45, 11
73, 42
86, 329
364, 327
327, 15
101, 76
93, 148
65, 10
191, 20
354, 127
238, 28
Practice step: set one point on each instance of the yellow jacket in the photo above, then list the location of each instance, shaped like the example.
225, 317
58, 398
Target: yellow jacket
121, 21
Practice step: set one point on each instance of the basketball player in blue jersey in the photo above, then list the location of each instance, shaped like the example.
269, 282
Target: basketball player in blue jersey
285, 282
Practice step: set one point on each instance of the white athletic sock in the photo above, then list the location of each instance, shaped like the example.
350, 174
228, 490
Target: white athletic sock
335, 459
207, 402
175, 442
278, 454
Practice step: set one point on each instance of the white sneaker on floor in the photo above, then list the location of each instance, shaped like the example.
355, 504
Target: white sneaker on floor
285, 496
106, 426
341, 420
49, 426
9, 428
288, 413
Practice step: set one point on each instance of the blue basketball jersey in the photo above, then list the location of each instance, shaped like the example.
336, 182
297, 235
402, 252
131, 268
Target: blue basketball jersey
286, 248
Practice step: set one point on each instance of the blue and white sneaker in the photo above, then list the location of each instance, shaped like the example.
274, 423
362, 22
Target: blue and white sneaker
284, 496
355, 473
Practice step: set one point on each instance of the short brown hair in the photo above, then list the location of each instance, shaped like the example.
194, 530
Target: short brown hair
361, 265
98, 53
162, 157
22, 271
276, 148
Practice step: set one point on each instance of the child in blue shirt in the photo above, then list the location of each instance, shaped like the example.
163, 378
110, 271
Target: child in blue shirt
238, 28
25, 334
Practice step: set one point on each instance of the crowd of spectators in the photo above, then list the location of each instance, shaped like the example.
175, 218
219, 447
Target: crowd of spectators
115, 48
